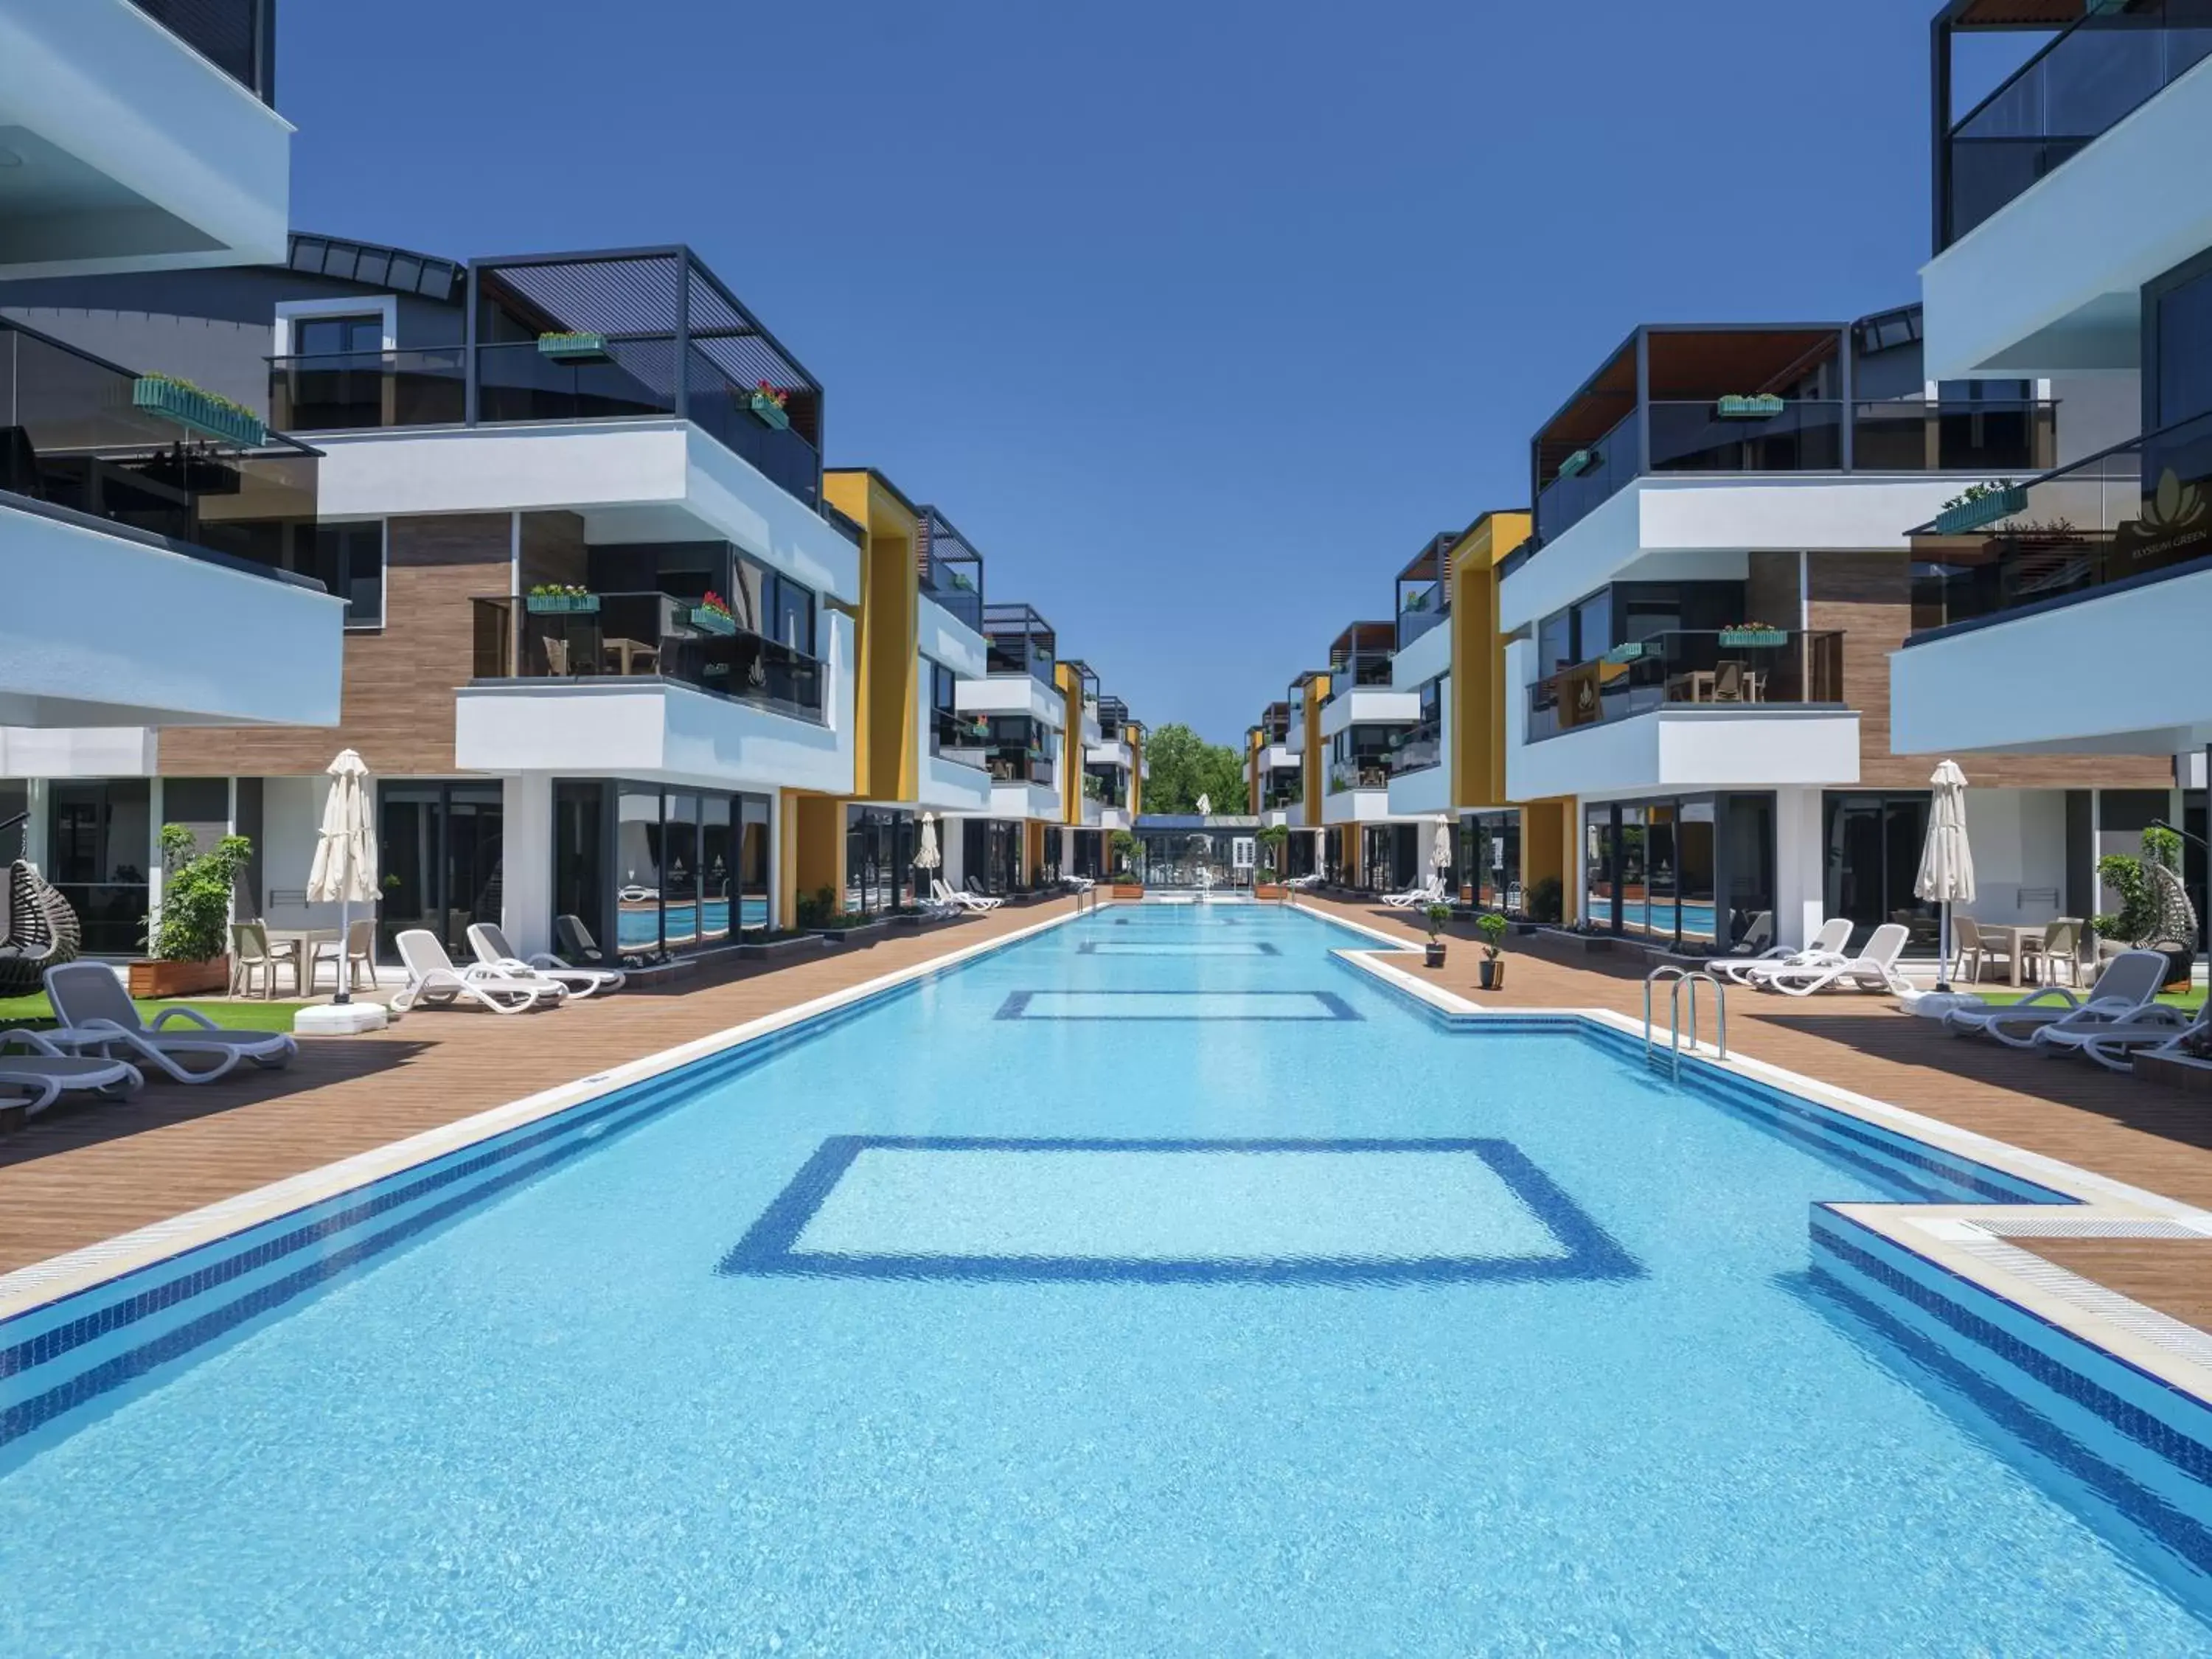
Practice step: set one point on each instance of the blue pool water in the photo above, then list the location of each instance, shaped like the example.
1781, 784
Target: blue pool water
1155, 1286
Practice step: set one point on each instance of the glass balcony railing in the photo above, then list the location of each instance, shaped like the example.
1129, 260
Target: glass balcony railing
643, 635
965, 739
1417, 748
1806, 437
1587, 479
1015, 762
1368, 769
231, 34
2109, 63
2140, 510
1422, 611
956, 587
1359, 669
361, 391
74, 439
1738, 668
1958, 436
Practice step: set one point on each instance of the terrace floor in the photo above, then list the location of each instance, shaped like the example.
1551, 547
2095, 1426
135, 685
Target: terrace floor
80, 1174
2125, 1127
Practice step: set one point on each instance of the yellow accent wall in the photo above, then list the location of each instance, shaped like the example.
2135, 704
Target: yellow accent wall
1479, 701
1316, 767
1071, 743
1135, 735
886, 766
1252, 747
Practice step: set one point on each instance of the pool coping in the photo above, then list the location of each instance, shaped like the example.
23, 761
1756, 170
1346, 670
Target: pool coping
1967, 1242
39, 1284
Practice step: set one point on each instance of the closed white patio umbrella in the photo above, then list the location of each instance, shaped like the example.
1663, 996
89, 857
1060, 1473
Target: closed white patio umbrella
1206, 806
1947, 861
1440, 854
925, 856
345, 872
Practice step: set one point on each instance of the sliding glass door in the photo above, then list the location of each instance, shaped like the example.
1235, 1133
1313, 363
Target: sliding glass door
442, 847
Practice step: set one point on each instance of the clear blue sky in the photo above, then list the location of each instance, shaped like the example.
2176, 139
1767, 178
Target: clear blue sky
1198, 318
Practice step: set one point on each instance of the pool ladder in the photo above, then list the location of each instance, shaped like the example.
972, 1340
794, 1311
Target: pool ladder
1691, 977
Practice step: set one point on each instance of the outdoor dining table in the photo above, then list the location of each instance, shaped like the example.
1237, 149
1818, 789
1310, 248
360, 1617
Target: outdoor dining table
307, 944
629, 652
2017, 938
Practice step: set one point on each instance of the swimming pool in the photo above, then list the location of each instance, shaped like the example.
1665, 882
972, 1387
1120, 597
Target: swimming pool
1156, 1284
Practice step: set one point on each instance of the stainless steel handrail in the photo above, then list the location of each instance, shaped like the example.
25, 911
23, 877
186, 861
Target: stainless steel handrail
1680, 977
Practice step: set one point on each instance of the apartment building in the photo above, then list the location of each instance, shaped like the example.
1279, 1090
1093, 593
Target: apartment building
1717, 572
142, 583
2073, 236
602, 627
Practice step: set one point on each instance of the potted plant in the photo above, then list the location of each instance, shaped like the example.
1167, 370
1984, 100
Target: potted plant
552, 599
1981, 504
1436, 915
572, 346
712, 614
1745, 634
1127, 884
2155, 912
1272, 840
1491, 926
771, 406
202, 411
189, 932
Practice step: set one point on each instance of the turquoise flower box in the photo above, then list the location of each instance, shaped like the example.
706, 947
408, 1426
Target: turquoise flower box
707, 620
556, 604
573, 348
1577, 462
203, 412
1742, 639
1764, 405
1984, 509
1628, 652
771, 412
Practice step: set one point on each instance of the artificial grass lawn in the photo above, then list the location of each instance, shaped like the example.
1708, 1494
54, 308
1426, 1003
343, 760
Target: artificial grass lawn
1997, 995
35, 1012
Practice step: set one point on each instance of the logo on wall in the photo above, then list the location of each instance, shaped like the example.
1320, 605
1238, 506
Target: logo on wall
2175, 522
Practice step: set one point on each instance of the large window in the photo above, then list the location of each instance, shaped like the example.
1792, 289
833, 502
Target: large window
2177, 347
1656, 869
1490, 860
691, 868
99, 836
991, 854
348, 560
580, 863
441, 851
1874, 844
879, 848
768, 602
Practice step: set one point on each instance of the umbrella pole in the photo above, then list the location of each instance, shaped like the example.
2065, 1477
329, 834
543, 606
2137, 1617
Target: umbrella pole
1943, 945
345, 943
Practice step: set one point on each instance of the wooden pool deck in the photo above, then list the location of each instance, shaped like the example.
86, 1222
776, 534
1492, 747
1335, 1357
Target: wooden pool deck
77, 1174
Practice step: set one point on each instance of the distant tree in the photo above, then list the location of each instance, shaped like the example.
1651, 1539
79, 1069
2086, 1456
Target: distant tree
1185, 766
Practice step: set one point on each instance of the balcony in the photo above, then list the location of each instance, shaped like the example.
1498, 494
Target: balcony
651, 335
950, 571
1731, 670
1020, 641
2097, 578
1417, 748
2091, 75
127, 535
136, 145
960, 738
2138, 512
649, 635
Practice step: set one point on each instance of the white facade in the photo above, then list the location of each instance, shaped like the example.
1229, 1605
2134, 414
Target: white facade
106, 631
2128, 672
1369, 705
1014, 694
1427, 657
1020, 799
129, 150
1355, 806
948, 782
2049, 283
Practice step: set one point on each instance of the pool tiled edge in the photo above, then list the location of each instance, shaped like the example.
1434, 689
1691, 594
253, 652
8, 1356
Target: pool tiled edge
26, 1290
1956, 1240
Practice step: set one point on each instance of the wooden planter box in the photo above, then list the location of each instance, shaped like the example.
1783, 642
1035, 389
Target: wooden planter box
1267, 889
1127, 889
776, 949
153, 978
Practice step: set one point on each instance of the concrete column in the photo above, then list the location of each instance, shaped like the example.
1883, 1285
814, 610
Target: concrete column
1800, 886
527, 870
154, 867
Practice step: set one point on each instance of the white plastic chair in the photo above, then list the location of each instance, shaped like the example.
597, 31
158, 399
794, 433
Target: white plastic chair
45, 1072
1825, 951
90, 1002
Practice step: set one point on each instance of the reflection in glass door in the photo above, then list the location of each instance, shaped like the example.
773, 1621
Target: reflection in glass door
100, 842
439, 853
1874, 844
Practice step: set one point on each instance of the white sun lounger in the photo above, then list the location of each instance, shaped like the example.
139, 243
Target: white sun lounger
45, 1073
434, 982
1874, 969
1825, 951
1431, 893
90, 1002
489, 940
2125, 988
953, 895
2115, 1047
